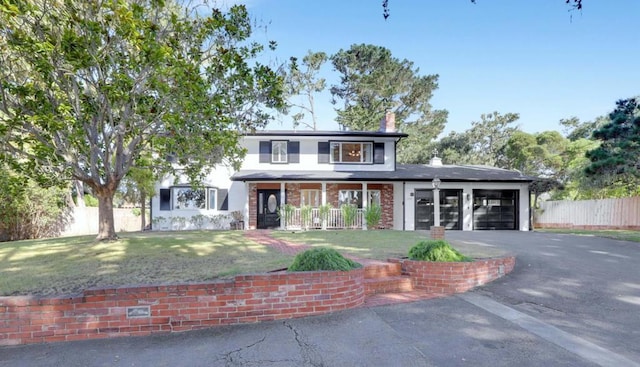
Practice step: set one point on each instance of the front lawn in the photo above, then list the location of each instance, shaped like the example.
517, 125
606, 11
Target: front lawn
379, 245
68, 265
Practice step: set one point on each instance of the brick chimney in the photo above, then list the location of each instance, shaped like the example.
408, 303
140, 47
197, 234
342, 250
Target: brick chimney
388, 123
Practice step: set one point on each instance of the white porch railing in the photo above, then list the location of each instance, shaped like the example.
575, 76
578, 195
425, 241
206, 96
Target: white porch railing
335, 220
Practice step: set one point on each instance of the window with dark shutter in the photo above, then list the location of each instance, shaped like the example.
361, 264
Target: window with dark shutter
165, 199
294, 151
223, 199
265, 152
378, 153
323, 152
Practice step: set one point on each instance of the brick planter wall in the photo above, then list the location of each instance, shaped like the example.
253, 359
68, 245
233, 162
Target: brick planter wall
456, 277
102, 313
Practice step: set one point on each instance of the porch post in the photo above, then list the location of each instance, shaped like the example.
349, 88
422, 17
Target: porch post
324, 193
365, 204
282, 203
323, 203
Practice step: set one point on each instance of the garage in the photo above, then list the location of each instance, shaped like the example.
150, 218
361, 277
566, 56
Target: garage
495, 209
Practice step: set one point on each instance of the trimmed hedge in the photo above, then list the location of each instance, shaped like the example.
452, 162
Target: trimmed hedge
322, 259
436, 250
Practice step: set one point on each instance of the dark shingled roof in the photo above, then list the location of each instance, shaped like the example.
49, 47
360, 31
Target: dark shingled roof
403, 172
373, 134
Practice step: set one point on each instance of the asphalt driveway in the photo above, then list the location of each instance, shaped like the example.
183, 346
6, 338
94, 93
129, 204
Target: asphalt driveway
571, 301
586, 286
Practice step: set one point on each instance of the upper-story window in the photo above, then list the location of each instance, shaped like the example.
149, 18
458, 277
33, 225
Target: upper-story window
279, 151
351, 152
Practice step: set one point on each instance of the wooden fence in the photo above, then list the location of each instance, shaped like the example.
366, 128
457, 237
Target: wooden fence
623, 213
85, 221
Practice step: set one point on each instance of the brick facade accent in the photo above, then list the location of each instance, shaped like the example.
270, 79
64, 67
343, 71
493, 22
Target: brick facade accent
102, 313
437, 232
292, 194
252, 189
458, 277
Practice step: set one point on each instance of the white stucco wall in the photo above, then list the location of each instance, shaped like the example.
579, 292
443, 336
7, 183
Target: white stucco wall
218, 178
309, 155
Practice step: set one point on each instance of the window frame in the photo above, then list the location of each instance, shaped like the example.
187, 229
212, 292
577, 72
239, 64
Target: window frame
212, 193
359, 201
210, 201
174, 198
362, 144
280, 153
304, 195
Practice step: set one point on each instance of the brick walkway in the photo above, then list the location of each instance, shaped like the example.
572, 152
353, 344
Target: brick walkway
264, 237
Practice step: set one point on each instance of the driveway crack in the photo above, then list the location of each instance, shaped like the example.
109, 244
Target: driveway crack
309, 352
234, 357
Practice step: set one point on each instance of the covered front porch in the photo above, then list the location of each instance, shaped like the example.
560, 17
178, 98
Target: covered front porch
318, 205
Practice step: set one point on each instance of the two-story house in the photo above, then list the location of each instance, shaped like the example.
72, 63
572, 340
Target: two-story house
316, 168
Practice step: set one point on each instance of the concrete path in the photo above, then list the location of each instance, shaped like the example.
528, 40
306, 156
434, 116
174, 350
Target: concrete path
571, 301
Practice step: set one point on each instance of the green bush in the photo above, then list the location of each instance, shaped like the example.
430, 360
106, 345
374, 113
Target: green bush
349, 214
322, 259
28, 210
372, 215
436, 250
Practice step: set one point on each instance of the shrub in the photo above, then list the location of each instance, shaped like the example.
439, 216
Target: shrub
349, 214
436, 250
372, 215
198, 220
28, 210
306, 212
322, 259
286, 214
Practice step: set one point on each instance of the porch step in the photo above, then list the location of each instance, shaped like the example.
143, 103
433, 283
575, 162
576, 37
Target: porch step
392, 284
380, 269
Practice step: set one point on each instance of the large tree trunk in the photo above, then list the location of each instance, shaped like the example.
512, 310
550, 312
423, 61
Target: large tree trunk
106, 227
143, 210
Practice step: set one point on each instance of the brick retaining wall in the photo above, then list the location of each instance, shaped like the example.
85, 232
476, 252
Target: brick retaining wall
454, 277
102, 313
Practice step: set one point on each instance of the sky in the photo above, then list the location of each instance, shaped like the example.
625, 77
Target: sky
534, 57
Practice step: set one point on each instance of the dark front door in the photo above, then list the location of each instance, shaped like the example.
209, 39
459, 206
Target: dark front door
268, 207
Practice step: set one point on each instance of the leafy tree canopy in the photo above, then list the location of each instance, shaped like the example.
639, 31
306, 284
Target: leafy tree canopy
618, 155
373, 82
302, 83
617, 160
87, 87
482, 144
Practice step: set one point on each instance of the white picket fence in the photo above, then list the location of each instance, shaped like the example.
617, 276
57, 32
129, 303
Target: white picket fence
335, 220
622, 213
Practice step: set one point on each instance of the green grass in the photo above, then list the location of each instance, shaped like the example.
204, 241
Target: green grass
379, 245
623, 235
68, 265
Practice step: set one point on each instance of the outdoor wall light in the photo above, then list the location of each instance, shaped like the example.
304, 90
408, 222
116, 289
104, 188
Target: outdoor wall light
436, 183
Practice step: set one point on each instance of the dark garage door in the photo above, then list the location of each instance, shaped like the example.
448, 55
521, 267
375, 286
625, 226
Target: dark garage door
495, 209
